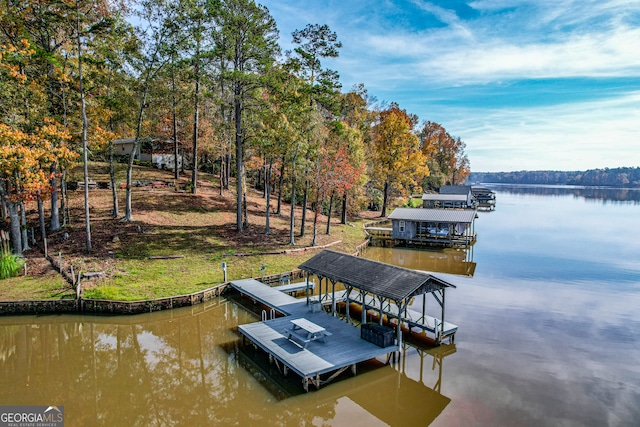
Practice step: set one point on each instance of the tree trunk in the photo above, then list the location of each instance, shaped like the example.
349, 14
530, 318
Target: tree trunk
227, 171
280, 184
43, 227
128, 214
330, 210
305, 199
292, 218
85, 126
221, 174
344, 208
64, 199
16, 238
3, 206
245, 214
23, 228
55, 217
239, 164
196, 117
267, 186
384, 199
112, 177
174, 110
315, 221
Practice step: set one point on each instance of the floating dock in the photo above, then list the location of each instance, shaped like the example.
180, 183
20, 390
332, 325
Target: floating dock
318, 362
313, 343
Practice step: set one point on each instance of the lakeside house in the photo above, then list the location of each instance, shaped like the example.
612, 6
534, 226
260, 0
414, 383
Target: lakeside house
159, 153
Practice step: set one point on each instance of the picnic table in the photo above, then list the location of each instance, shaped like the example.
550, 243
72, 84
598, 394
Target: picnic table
305, 331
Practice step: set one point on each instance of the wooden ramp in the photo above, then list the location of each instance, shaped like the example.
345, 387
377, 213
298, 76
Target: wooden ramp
269, 296
317, 361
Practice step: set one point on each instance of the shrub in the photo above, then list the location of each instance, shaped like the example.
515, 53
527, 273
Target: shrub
10, 264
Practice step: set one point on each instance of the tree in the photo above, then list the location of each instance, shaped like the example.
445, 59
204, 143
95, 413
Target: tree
338, 167
48, 27
448, 162
315, 42
282, 123
397, 159
30, 141
25, 159
251, 45
153, 34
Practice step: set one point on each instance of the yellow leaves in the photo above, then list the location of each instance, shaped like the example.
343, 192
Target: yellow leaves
25, 157
13, 57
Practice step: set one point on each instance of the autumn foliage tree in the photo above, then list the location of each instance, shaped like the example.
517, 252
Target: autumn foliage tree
398, 162
25, 158
447, 160
29, 142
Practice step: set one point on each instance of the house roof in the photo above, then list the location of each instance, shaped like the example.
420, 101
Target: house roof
455, 189
130, 140
455, 197
434, 215
385, 280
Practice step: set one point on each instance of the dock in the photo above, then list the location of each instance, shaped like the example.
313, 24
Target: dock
319, 346
320, 361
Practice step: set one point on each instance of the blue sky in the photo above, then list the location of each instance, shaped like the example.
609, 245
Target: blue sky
526, 84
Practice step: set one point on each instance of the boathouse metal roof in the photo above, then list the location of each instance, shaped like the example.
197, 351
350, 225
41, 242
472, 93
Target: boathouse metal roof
465, 216
457, 197
385, 280
455, 189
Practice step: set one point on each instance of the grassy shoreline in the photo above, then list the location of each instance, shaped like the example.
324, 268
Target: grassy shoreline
200, 228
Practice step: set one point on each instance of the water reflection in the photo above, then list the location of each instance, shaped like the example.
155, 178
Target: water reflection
602, 194
457, 261
549, 335
188, 367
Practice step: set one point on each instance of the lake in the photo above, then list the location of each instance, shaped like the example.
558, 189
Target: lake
547, 303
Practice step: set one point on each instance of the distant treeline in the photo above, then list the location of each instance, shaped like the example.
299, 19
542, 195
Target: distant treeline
615, 177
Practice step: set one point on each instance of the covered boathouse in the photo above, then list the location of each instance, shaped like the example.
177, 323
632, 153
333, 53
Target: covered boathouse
445, 227
383, 289
446, 201
318, 346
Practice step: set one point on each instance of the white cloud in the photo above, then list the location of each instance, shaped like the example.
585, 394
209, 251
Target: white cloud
565, 137
438, 62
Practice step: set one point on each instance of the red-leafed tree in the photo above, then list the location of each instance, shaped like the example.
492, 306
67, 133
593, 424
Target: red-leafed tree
339, 166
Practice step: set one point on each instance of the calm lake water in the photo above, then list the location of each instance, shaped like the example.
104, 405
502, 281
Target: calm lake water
548, 308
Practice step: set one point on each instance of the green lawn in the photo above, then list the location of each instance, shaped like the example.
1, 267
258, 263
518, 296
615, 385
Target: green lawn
200, 228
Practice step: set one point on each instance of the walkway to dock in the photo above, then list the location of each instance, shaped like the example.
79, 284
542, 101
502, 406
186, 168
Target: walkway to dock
319, 361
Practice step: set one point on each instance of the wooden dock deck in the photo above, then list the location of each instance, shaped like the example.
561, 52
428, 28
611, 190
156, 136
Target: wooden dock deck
318, 361
267, 295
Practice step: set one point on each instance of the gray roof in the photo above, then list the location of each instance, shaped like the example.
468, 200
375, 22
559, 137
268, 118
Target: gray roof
131, 140
388, 281
455, 189
457, 197
434, 215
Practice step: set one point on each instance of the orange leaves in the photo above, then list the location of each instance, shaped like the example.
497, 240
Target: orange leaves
25, 157
14, 57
